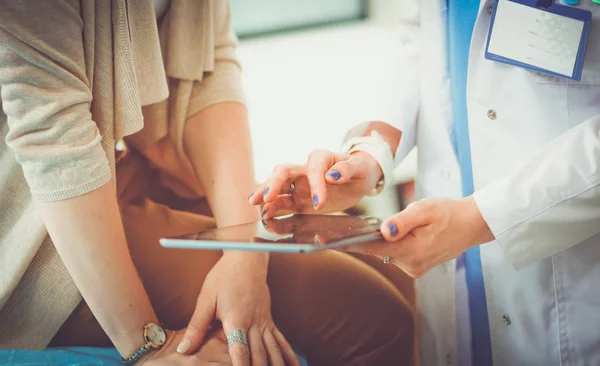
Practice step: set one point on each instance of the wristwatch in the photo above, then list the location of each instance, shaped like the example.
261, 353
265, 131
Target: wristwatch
154, 336
380, 150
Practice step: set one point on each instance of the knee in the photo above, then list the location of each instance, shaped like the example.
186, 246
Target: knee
392, 332
386, 324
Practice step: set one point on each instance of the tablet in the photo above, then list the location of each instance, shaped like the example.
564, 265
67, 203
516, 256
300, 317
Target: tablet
290, 234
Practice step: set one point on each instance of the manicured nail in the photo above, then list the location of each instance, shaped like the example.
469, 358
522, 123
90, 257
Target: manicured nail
250, 196
184, 346
315, 201
264, 212
316, 241
393, 229
334, 174
266, 192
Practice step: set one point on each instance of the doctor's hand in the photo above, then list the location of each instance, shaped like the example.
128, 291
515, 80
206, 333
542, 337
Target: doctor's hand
328, 182
428, 233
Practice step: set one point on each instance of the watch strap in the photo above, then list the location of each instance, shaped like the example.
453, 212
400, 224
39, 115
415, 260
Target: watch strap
136, 355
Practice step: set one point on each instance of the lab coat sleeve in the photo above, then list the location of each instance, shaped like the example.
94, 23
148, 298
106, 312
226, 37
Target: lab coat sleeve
398, 96
551, 202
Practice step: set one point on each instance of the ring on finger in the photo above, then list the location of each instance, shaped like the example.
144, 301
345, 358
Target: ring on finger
386, 259
237, 336
292, 188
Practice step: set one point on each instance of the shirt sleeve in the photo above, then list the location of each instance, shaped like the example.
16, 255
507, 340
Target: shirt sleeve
224, 83
551, 202
398, 97
46, 98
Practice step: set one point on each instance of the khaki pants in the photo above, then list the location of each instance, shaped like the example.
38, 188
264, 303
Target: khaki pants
335, 308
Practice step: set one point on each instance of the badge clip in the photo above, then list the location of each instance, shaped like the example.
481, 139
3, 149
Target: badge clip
543, 4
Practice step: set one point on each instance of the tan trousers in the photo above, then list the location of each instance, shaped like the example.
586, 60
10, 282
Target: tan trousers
334, 308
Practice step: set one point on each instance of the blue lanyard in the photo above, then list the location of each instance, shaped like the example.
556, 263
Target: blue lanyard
461, 19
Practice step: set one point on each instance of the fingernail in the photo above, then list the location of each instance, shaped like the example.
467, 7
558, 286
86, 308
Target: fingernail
184, 346
316, 241
334, 174
250, 196
315, 201
266, 192
264, 212
393, 229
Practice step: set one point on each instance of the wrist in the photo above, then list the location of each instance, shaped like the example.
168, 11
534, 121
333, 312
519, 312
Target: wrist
375, 173
155, 338
252, 261
480, 231
379, 149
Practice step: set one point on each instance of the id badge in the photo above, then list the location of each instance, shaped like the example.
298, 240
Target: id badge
539, 35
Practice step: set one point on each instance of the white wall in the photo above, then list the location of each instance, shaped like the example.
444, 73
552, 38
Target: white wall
306, 89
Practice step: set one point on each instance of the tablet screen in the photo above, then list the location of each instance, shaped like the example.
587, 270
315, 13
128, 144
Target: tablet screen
305, 231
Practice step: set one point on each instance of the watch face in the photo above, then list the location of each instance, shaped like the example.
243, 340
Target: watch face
155, 334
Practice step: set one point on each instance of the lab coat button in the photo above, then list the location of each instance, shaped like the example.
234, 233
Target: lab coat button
446, 174
491, 114
506, 319
490, 8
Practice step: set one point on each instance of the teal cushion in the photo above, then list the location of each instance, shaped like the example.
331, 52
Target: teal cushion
73, 356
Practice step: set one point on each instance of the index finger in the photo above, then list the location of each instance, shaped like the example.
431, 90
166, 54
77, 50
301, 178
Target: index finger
318, 164
274, 186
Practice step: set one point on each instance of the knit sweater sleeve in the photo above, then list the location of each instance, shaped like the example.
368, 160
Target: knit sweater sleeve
46, 96
224, 84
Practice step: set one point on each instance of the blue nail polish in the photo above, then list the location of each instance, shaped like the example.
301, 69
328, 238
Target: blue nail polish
315, 201
334, 174
393, 229
266, 192
264, 212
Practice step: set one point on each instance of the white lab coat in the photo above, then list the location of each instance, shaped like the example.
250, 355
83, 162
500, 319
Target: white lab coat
536, 171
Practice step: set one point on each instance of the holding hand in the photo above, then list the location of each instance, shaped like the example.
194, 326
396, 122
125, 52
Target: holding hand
428, 233
328, 182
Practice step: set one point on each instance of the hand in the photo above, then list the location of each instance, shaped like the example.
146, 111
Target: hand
213, 352
428, 233
235, 292
328, 182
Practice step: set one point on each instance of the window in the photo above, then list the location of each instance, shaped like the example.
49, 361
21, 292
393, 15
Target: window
255, 17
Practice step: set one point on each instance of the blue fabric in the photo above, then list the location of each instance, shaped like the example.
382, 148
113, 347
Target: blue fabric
462, 15
74, 356
62, 356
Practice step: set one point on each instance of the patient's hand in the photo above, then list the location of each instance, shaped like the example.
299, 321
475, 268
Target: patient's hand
328, 182
214, 351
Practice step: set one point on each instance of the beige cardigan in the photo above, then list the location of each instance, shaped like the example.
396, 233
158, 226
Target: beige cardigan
74, 75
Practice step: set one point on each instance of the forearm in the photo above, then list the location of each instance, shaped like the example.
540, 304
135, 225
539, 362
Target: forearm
549, 203
89, 237
217, 140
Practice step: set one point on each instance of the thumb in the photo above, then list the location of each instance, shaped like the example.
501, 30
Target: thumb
341, 172
402, 223
199, 324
